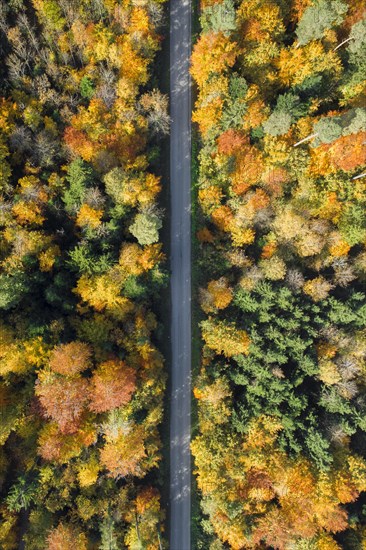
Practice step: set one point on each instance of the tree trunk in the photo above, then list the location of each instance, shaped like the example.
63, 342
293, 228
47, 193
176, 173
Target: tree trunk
341, 44
305, 139
359, 176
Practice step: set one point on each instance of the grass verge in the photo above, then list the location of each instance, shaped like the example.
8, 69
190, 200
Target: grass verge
199, 540
196, 513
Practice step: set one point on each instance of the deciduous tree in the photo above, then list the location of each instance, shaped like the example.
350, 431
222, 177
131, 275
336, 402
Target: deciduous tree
64, 399
70, 359
112, 385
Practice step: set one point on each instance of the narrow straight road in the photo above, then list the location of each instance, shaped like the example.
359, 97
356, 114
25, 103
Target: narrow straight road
180, 181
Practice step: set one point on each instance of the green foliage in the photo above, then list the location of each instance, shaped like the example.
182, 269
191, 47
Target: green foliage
356, 122
17, 5
80, 175
146, 227
114, 184
278, 123
328, 129
40, 523
353, 224
219, 17
58, 292
85, 258
77, 138
53, 13
159, 279
5, 170
12, 289
21, 495
288, 109
96, 330
275, 319
312, 86
108, 535
318, 448
322, 15
357, 45
235, 107
133, 288
86, 88
238, 87
331, 128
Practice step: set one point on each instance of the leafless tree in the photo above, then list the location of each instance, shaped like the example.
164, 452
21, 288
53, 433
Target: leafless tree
348, 389
348, 368
156, 14
3, 13
94, 198
29, 31
263, 218
45, 149
17, 67
106, 89
295, 279
21, 140
42, 88
343, 272
254, 274
337, 434
155, 106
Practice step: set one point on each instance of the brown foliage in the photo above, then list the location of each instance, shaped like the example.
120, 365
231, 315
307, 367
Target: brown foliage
230, 142
78, 143
112, 385
63, 399
66, 537
275, 179
71, 359
273, 529
348, 152
356, 11
258, 200
249, 168
204, 235
345, 153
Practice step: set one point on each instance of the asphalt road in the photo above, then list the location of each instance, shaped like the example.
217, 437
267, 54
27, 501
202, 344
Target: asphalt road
180, 178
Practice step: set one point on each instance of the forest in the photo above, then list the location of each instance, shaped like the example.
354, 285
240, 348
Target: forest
279, 450
82, 378
280, 454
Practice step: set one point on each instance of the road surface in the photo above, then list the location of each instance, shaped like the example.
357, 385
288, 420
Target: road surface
180, 178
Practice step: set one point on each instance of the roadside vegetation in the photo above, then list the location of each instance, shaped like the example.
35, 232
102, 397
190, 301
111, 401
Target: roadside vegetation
280, 456
81, 270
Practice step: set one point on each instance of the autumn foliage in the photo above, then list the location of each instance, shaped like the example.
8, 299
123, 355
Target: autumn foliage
82, 380
122, 456
64, 400
65, 537
70, 359
281, 231
112, 385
